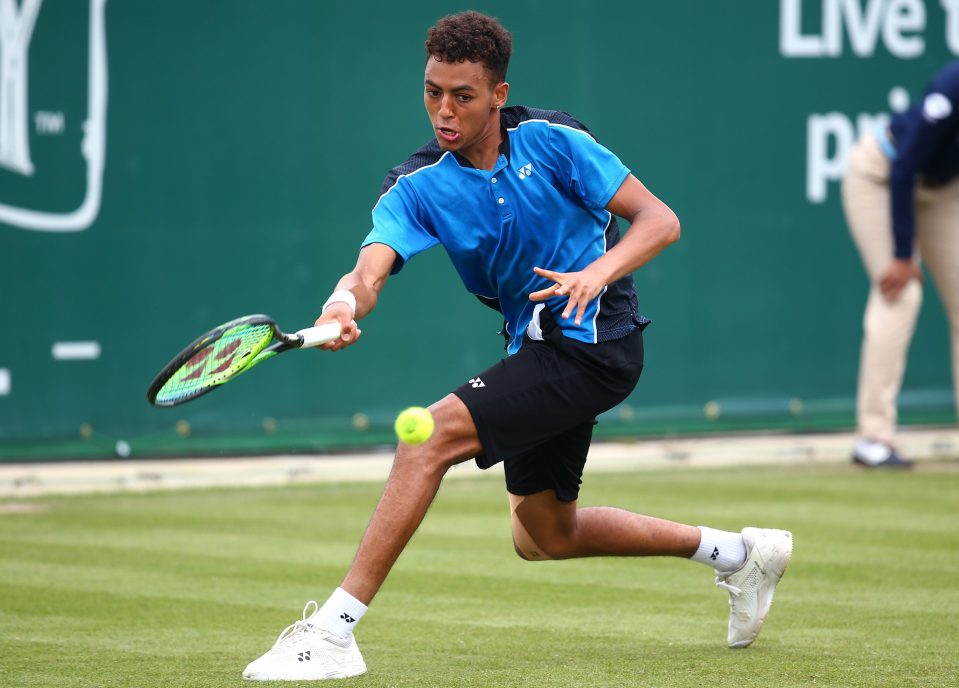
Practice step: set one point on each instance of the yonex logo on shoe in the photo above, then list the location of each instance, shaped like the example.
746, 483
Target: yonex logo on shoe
715, 554
303, 656
476, 382
347, 618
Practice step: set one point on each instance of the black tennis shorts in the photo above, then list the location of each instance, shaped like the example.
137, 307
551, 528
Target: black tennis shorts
536, 409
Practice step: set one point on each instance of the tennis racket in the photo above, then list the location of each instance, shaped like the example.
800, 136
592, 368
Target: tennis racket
227, 351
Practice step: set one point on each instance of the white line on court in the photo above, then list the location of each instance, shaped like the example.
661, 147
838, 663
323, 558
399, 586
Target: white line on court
936, 447
4, 382
76, 351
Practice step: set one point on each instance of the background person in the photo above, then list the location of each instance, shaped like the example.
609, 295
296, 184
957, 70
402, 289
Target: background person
901, 200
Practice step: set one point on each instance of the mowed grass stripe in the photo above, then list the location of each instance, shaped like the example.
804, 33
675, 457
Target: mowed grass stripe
184, 588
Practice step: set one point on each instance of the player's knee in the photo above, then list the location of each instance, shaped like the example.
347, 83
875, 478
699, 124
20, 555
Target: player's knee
540, 530
453, 440
519, 552
421, 458
530, 549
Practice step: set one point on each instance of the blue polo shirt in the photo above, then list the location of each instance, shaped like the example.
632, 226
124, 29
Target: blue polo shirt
542, 205
926, 144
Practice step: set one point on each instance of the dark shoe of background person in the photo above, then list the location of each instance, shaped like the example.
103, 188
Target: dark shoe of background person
891, 461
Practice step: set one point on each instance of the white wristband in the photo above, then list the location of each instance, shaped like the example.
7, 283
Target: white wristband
341, 296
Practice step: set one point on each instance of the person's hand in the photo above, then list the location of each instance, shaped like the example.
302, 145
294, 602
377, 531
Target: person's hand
581, 288
349, 332
897, 276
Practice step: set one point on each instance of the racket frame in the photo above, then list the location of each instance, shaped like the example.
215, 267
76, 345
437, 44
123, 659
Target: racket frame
310, 336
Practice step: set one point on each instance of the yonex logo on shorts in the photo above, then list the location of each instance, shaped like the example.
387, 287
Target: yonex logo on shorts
476, 382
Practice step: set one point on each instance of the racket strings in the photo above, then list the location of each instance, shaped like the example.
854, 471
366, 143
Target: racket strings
216, 362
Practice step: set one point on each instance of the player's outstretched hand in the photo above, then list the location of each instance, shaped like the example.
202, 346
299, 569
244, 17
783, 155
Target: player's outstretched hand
349, 331
581, 288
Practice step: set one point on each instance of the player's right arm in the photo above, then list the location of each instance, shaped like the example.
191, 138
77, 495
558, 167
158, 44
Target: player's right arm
364, 282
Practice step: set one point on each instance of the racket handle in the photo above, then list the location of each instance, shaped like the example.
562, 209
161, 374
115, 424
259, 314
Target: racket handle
315, 336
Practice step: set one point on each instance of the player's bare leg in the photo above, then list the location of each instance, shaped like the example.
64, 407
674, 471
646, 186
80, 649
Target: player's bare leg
748, 565
413, 482
321, 645
561, 530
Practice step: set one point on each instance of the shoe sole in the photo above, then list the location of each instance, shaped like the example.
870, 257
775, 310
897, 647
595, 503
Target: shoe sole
347, 672
902, 465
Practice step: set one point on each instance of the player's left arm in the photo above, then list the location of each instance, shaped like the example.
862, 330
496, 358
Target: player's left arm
652, 227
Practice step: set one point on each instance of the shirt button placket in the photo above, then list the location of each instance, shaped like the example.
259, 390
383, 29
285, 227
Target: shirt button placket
500, 201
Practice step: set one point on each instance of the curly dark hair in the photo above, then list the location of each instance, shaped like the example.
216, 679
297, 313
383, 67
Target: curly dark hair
471, 36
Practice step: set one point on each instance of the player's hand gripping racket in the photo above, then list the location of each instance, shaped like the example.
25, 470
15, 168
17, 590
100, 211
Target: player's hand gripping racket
226, 351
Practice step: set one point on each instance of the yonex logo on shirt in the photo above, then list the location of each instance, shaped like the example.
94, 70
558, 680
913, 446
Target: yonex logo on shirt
476, 382
526, 171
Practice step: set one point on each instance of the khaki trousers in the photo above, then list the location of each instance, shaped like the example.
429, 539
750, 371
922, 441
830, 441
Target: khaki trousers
888, 326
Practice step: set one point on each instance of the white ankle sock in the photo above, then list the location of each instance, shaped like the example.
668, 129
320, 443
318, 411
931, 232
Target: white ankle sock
722, 550
339, 614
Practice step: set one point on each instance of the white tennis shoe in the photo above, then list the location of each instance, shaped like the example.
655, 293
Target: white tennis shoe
304, 652
751, 587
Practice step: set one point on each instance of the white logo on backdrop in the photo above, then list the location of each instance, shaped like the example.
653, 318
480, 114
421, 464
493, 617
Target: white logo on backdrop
859, 29
16, 31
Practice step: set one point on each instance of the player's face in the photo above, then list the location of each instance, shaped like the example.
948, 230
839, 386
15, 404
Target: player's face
461, 99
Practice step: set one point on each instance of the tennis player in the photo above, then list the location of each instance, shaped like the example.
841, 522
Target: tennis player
524, 201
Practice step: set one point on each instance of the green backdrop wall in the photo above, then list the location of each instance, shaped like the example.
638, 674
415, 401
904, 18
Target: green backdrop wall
190, 162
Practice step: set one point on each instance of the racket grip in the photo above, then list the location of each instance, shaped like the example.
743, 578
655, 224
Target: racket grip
315, 336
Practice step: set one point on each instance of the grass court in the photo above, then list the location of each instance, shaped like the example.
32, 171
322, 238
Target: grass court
184, 588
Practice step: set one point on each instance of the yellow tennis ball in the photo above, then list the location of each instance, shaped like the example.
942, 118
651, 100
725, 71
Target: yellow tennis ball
414, 425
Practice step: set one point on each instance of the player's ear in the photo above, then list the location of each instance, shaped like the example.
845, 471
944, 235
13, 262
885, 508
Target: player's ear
500, 92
